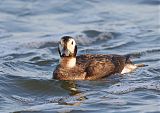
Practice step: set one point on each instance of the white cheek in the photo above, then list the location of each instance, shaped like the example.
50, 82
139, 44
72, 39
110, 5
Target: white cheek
71, 47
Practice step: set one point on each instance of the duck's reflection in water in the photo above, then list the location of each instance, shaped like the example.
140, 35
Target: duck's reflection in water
75, 97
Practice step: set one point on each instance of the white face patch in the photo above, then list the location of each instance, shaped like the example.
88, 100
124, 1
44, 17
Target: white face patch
71, 45
67, 47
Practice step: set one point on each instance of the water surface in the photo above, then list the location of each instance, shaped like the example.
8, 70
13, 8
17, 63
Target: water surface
30, 30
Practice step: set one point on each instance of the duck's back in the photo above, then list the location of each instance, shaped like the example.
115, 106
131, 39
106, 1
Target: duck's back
98, 66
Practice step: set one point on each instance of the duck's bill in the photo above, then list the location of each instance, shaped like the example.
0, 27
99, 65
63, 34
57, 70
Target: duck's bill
65, 53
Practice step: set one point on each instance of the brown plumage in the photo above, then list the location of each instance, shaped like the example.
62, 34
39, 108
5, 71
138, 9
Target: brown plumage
87, 67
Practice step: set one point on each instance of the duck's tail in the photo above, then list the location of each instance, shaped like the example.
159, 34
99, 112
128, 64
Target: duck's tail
129, 66
140, 65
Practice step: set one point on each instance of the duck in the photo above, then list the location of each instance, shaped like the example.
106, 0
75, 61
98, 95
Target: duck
88, 66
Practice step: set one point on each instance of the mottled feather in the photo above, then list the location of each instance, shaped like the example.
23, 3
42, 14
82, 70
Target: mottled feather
91, 67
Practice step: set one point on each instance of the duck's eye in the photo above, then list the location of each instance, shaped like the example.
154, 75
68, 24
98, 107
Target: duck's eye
72, 43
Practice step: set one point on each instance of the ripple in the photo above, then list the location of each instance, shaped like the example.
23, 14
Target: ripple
22, 99
47, 62
17, 56
25, 69
30, 31
4, 34
122, 88
120, 45
147, 52
151, 2
93, 37
92, 33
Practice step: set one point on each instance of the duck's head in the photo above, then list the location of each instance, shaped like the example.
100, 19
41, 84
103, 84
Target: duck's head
67, 47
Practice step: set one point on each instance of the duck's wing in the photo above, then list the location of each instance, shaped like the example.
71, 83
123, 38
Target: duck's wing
98, 66
119, 61
99, 69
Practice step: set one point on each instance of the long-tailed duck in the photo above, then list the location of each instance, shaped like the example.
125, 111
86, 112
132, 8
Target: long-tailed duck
88, 66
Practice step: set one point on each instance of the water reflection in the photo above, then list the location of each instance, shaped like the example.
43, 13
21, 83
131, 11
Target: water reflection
71, 86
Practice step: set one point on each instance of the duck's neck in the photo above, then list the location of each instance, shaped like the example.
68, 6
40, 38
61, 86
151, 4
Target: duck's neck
68, 62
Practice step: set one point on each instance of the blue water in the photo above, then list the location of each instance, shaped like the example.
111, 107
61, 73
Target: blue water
30, 30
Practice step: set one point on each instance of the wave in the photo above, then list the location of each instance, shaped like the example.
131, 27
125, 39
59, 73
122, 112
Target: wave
146, 53
150, 2
121, 88
89, 37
